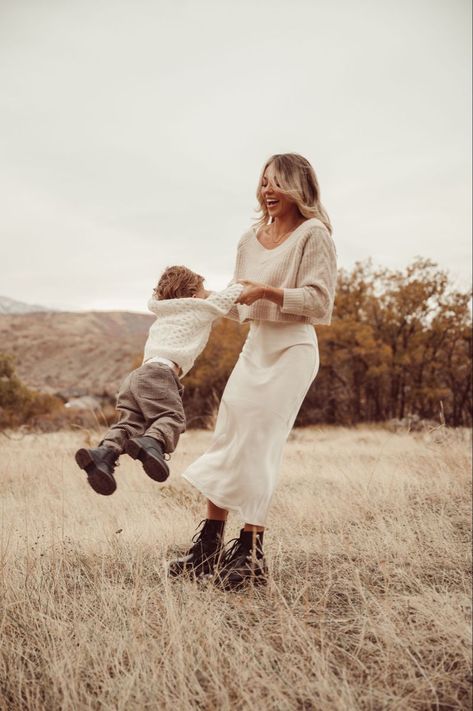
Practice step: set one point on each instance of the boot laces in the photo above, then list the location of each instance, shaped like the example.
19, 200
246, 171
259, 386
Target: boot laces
234, 549
112, 457
203, 533
199, 531
199, 538
237, 549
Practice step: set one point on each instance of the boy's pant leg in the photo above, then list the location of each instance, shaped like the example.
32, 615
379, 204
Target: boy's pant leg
158, 392
131, 422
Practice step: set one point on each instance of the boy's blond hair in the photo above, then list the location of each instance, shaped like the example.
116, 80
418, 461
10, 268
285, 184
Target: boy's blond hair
178, 282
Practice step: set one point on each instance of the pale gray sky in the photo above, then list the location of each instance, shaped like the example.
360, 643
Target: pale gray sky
132, 135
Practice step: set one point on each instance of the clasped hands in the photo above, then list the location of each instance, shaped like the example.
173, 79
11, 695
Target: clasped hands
252, 292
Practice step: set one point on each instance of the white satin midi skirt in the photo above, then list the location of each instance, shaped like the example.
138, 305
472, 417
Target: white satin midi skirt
259, 405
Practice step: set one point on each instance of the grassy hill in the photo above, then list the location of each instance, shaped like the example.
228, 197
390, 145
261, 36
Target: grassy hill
74, 353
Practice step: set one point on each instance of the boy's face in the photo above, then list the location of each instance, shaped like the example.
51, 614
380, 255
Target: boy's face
201, 293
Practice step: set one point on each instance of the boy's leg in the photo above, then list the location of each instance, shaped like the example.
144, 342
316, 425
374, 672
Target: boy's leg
99, 462
158, 392
131, 422
169, 422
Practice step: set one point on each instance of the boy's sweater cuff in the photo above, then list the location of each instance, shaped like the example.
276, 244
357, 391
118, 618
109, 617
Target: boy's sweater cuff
293, 302
234, 313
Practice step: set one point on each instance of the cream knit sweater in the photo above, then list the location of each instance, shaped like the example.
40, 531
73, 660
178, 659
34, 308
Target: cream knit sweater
304, 266
182, 326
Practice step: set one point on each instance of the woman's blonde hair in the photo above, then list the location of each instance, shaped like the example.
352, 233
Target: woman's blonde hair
296, 180
178, 282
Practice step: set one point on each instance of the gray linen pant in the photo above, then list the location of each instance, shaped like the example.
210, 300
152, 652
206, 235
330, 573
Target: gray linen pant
150, 403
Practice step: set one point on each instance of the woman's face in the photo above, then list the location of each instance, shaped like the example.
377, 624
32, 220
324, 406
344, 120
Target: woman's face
277, 204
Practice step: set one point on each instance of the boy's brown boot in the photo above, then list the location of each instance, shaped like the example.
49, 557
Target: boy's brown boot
99, 463
150, 452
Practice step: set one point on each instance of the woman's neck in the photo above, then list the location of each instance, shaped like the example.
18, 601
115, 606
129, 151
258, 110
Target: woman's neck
287, 223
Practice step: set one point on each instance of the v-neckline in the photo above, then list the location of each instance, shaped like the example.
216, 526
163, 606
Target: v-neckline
289, 237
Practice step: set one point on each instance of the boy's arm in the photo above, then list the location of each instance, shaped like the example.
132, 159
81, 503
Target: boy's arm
234, 313
224, 300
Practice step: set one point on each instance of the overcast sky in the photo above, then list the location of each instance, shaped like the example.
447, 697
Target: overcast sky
132, 135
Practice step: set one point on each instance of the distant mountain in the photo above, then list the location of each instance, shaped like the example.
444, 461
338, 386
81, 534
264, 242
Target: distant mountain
11, 306
74, 354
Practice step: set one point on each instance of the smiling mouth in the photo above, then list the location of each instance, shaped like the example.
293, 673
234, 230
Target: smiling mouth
271, 203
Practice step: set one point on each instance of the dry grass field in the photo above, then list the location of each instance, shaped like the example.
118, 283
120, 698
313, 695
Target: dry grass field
368, 605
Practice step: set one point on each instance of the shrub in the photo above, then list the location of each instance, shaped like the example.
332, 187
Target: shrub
18, 404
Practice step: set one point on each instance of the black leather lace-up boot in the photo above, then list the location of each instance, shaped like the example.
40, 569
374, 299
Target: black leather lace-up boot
243, 562
205, 553
99, 463
150, 452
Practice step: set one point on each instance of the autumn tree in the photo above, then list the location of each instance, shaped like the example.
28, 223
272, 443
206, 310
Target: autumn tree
399, 344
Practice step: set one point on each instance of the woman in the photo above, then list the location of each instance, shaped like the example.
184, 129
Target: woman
287, 263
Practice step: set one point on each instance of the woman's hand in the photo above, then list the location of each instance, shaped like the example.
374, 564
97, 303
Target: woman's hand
254, 290
251, 293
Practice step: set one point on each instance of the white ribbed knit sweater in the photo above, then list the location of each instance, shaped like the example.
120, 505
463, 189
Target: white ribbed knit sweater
182, 326
304, 266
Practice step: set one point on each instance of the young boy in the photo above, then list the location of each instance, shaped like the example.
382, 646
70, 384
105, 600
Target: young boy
150, 398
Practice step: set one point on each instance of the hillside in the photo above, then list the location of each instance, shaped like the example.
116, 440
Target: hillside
74, 353
12, 306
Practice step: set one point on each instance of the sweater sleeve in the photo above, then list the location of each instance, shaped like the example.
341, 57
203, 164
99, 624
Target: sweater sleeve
225, 300
316, 279
234, 313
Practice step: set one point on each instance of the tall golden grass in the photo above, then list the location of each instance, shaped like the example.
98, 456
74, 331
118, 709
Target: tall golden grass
368, 605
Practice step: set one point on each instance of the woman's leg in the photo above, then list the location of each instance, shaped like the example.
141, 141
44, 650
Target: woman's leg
215, 513
207, 548
250, 527
244, 560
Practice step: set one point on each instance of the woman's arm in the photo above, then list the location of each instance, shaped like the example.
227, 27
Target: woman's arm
316, 279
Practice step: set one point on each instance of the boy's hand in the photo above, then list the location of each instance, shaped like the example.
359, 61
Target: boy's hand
252, 292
